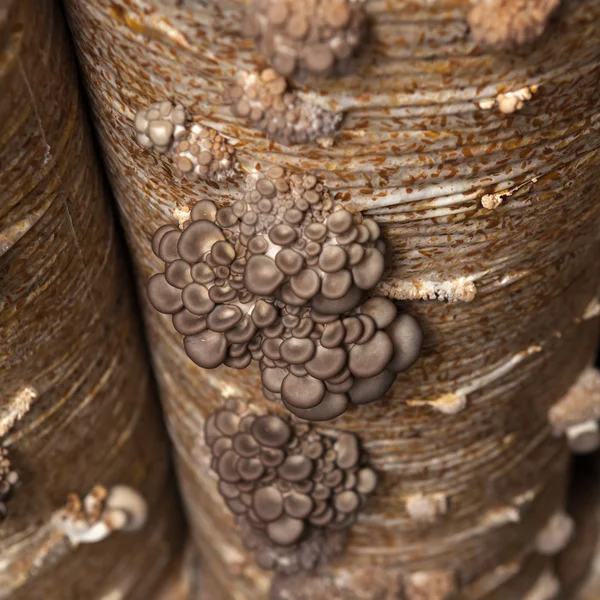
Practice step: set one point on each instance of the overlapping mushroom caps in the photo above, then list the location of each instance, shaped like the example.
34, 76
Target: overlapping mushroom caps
196, 151
281, 277
307, 37
8, 480
265, 99
289, 486
507, 23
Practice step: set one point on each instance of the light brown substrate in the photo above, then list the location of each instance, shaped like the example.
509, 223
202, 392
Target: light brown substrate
77, 406
419, 153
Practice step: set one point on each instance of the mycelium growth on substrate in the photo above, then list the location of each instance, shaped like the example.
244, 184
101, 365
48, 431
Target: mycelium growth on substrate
294, 490
281, 276
265, 99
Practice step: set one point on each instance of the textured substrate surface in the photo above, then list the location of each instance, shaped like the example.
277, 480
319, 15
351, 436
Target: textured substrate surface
417, 151
70, 340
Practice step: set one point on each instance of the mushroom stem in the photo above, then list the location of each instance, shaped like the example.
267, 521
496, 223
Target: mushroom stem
100, 513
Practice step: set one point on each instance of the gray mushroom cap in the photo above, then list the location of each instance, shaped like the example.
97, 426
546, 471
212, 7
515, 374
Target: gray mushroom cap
282, 277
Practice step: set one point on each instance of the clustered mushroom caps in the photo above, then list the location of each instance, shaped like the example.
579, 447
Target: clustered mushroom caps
283, 480
8, 479
281, 277
99, 513
507, 23
307, 37
196, 151
161, 124
264, 99
204, 154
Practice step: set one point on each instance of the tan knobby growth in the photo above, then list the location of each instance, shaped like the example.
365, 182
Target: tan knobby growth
506, 23
266, 100
308, 37
203, 154
196, 151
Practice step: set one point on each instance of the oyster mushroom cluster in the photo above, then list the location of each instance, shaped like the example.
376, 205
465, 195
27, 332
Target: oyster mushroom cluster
196, 151
507, 23
265, 99
281, 277
8, 479
283, 479
307, 37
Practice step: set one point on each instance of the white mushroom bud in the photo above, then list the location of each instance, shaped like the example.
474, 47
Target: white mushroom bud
577, 412
546, 587
80, 532
584, 437
125, 500
513, 101
555, 535
426, 508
